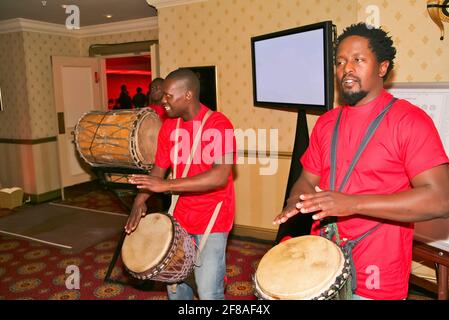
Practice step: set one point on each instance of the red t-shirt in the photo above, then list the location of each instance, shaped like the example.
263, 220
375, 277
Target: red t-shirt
160, 110
193, 210
405, 144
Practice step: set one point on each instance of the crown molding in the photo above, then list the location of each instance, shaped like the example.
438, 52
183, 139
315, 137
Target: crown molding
158, 4
20, 24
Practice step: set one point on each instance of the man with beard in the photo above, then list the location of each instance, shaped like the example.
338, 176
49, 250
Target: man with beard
399, 174
208, 182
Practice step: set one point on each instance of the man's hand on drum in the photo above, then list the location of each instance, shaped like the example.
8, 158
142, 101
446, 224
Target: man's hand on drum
138, 211
325, 203
151, 183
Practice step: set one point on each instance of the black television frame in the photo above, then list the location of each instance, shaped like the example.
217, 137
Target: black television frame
328, 47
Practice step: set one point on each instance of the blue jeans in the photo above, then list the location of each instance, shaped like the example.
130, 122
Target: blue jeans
357, 297
209, 272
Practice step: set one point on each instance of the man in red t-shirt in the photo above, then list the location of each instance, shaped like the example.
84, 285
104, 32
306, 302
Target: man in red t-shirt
208, 182
154, 98
401, 177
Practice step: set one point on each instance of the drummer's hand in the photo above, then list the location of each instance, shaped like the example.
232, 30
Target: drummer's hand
154, 184
138, 211
292, 209
289, 211
327, 203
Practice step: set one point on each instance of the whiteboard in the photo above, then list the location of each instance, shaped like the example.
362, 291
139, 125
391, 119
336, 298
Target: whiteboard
433, 98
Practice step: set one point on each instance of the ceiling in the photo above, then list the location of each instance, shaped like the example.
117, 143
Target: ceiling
92, 12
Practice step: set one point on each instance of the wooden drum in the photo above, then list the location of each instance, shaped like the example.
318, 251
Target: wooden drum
159, 249
303, 268
119, 138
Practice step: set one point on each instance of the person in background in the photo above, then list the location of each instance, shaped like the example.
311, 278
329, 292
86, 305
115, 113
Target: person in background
139, 99
124, 100
401, 176
154, 98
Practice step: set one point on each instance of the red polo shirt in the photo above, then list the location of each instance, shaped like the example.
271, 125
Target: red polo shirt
193, 210
405, 144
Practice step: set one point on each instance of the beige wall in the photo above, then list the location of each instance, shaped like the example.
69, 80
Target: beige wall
421, 55
27, 86
218, 32
15, 119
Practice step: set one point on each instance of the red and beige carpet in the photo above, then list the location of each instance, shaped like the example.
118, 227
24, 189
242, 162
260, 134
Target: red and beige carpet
32, 270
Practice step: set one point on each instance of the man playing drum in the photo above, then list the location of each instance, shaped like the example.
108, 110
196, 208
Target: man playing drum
400, 173
209, 180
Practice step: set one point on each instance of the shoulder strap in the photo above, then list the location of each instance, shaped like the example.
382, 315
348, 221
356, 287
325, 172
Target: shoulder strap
196, 140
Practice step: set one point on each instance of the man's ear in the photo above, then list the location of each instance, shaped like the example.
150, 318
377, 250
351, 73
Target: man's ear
383, 67
189, 95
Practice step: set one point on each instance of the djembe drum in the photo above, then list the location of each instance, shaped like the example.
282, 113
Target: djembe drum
303, 268
122, 138
159, 249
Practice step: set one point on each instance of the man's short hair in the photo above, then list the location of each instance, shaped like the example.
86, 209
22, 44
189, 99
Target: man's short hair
379, 42
190, 79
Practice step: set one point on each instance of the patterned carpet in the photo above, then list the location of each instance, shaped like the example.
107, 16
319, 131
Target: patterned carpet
30, 270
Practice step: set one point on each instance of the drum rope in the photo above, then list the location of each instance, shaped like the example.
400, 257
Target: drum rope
95, 134
329, 228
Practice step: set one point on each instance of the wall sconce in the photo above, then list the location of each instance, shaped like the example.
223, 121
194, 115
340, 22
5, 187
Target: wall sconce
439, 13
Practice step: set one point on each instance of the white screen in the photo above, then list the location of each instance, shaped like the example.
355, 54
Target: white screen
290, 69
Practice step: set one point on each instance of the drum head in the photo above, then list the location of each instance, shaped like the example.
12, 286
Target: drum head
299, 268
148, 244
146, 137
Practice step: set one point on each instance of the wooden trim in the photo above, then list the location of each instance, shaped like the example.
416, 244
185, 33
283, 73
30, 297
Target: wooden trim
28, 25
422, 251
158, 4
254, 232
44, 197
28, 141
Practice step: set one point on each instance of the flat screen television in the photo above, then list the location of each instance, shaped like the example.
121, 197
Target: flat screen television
294, 68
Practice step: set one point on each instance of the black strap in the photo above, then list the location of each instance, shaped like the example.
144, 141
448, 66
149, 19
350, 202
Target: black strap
349, 245
368, 135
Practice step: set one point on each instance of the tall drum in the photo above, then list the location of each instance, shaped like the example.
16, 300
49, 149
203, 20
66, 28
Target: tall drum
303, 268
122, 138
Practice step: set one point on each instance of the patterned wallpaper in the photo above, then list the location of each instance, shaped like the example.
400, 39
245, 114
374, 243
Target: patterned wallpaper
27, 81
15, 119
38, 50
223, 39
187, 38
421, 56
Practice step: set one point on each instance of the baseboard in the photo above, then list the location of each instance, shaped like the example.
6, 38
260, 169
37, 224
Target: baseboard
254, 232
43, 197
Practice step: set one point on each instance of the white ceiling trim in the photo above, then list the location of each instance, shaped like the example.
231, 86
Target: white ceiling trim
20, 24
158, 4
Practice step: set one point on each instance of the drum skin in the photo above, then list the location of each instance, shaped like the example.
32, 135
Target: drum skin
122, 138
159, 249
148, 244
300, 268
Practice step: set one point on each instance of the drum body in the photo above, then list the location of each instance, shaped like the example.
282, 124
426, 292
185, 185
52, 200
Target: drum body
159, 249
122, 138
303, 268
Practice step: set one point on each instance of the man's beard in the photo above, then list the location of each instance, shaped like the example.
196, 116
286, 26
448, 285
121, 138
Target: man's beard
351, 98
